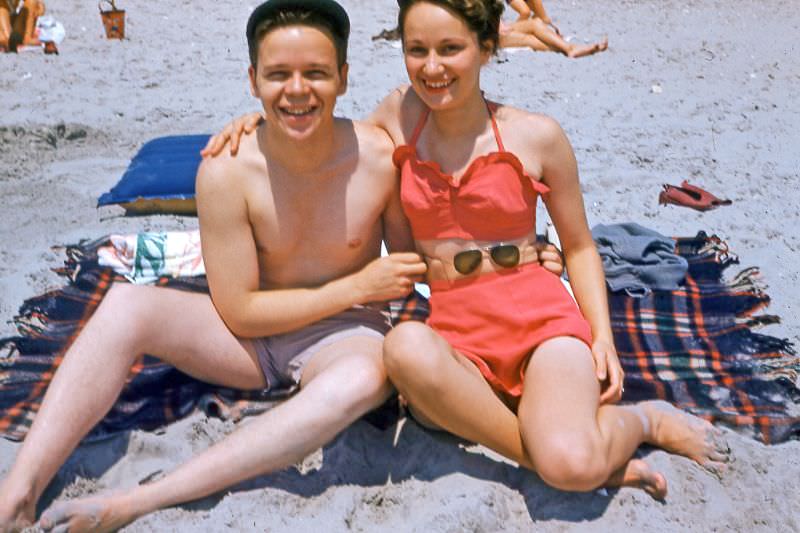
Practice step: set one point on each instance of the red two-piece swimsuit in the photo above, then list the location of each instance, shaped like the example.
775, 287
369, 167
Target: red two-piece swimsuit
494, 319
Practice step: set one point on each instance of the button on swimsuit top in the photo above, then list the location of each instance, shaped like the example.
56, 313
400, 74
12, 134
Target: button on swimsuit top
494, 199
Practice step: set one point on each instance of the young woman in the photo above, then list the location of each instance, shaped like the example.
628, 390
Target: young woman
507, 359
535, 30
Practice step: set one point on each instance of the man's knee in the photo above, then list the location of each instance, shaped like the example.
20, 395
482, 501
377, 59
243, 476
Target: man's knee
35, 7
132, 306
410, 349
569, 461
365, 388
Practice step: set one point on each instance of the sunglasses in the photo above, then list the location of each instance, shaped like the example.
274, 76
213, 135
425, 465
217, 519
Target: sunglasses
504, 255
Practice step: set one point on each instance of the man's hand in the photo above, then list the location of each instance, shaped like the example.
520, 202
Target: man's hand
232, 133
609, 371
390, 277
550, 258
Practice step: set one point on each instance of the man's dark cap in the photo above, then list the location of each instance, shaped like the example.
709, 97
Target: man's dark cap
328, 8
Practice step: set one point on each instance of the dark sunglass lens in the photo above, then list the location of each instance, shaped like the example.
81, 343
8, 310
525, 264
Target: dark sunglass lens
506, 255
467, 261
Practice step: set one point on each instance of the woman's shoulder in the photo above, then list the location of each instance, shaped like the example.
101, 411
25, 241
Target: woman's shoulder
529, 125
534, 121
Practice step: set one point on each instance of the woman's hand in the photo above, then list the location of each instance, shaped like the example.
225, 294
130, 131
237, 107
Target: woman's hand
609, 371
232, 133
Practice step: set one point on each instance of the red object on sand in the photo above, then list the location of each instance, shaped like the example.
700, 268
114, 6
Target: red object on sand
691, 196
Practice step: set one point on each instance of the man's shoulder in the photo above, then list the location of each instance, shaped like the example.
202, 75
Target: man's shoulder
224, 170
373, 138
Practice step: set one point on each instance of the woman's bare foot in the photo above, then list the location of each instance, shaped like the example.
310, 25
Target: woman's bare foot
90, 514
638, 474
682, 433
17, 508
587, 49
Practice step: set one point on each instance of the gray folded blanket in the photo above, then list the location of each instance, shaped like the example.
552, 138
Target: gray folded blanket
637, 259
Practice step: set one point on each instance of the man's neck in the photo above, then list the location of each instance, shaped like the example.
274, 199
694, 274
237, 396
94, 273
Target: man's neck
298, 157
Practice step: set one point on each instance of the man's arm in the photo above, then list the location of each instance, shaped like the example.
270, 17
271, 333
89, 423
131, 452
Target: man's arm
229, 252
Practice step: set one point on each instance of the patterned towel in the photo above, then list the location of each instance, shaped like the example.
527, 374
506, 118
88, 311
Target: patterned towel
694, 347
145, 257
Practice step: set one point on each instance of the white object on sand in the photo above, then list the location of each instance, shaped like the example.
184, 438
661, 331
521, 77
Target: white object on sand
50, 30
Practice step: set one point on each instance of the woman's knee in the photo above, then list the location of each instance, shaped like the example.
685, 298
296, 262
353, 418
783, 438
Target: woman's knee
410, 348
575, 462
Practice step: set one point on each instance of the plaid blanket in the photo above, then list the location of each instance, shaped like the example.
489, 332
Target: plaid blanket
694, 347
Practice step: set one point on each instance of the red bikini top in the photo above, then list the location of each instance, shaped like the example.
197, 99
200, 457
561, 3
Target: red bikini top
494, 200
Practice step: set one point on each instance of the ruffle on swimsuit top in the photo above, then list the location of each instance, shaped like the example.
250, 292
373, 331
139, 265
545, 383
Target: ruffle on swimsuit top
493, 200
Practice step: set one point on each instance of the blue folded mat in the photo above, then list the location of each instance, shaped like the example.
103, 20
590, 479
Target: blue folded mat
160, 178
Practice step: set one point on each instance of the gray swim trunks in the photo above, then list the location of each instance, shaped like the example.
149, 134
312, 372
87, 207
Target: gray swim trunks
283, 357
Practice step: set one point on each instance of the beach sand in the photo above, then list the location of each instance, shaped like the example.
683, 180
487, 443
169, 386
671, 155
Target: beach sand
699, 90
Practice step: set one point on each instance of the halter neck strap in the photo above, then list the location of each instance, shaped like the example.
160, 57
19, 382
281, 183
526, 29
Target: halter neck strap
423, 118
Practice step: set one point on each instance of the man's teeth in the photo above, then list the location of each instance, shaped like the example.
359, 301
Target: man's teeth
302, 111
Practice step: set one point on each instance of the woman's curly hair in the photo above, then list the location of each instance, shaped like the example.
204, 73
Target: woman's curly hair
481, 16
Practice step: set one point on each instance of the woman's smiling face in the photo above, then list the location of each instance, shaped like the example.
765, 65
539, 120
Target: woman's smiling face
443, 56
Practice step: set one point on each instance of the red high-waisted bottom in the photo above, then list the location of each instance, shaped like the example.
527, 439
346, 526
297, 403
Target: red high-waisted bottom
496, 320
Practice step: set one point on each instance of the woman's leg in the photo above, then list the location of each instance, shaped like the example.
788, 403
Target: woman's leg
552, 41
522, 9
516, 39
182, 328
449, 392
577, 445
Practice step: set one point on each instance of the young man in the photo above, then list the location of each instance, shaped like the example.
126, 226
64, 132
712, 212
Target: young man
291, 232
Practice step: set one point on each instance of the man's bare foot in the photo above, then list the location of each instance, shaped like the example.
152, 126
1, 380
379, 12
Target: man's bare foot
89, 514
17, 508
587, 49
679, 432
638, 474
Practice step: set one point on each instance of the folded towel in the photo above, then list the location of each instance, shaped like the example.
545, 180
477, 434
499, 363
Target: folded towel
638, 260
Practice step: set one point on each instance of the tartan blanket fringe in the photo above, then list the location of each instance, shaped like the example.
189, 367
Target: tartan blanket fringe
155, 393
696, 347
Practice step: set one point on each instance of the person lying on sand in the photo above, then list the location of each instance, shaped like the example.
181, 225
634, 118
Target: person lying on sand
291, 232
535, 30
18, 23
507, 359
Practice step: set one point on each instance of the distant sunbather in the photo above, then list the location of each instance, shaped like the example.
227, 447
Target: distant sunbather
18, 23
535, 30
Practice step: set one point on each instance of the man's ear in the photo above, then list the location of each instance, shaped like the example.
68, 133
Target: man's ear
251, 73
343, 70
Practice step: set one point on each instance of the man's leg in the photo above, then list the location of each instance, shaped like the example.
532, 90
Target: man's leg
5, 26
182, 328
340, 384
25, 22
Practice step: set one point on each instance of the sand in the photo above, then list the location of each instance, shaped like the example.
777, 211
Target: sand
703, 90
